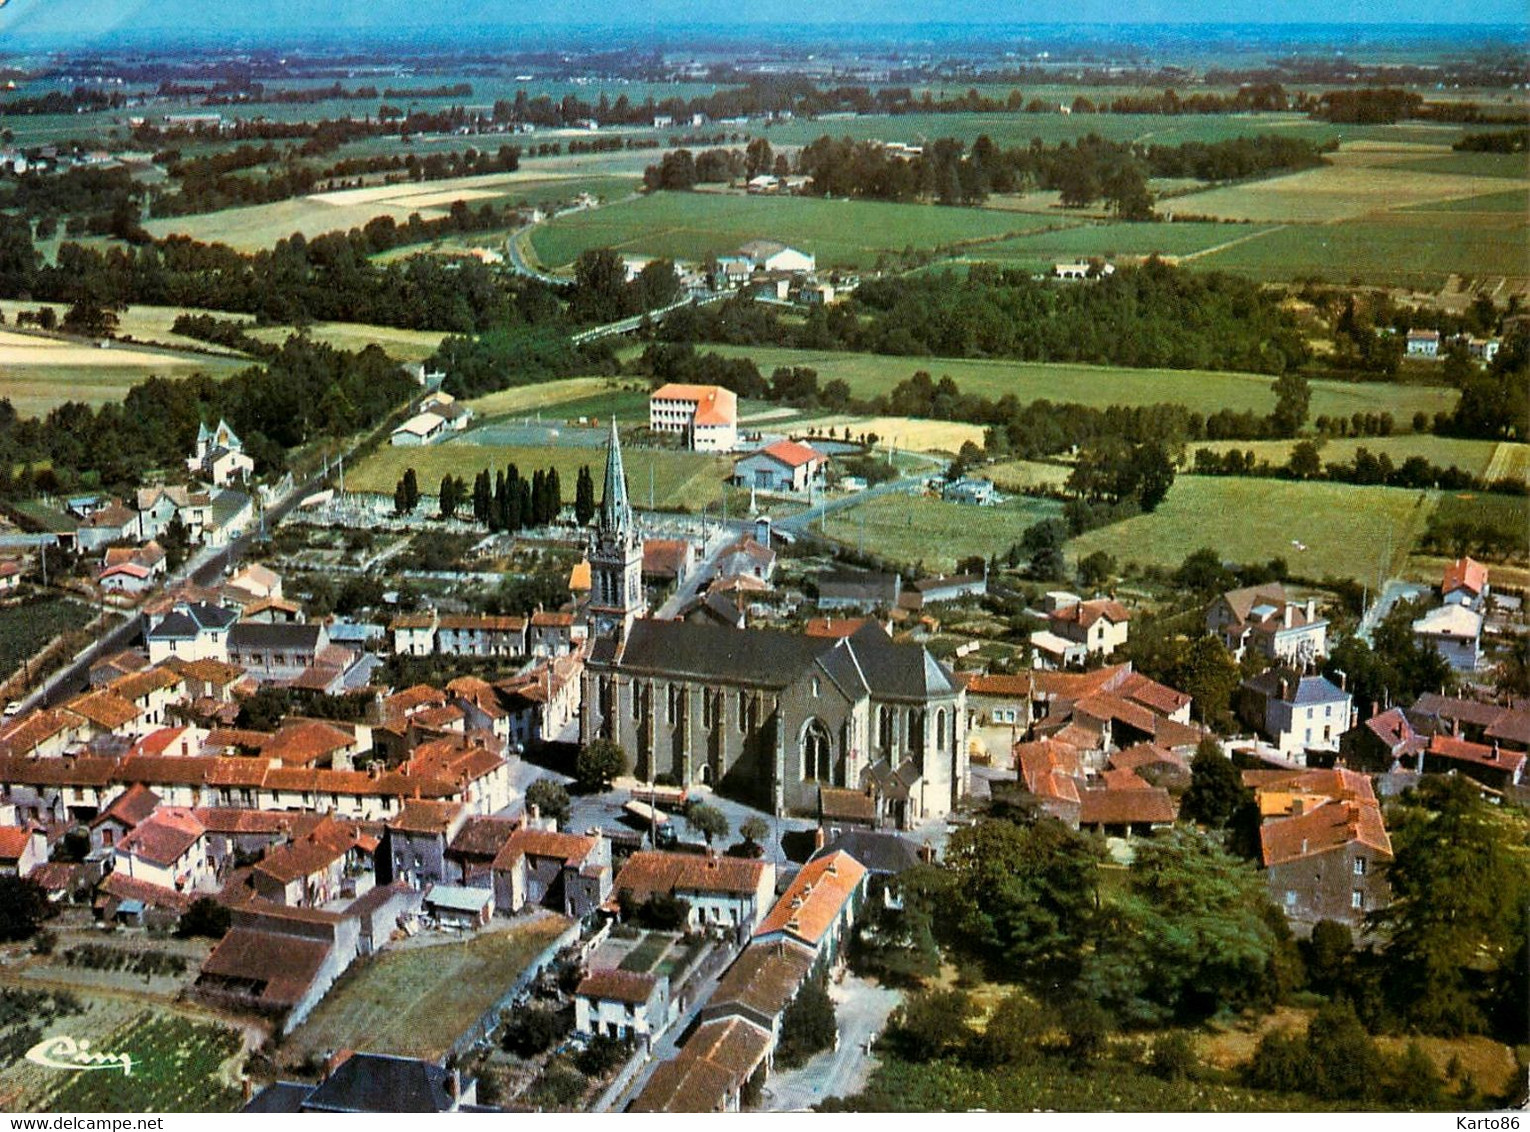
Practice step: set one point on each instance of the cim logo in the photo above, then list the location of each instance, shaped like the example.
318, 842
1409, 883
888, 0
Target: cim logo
66, 1053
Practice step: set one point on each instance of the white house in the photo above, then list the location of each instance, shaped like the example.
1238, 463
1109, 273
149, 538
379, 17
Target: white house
1264, 619
782, 466
1465, 583
730, 892
191, 631
126, 578
1423, 344
1455, 632
706, 414
1297, 713
626, 1005
168, 849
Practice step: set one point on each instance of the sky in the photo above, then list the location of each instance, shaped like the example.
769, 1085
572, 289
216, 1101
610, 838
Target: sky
85, 22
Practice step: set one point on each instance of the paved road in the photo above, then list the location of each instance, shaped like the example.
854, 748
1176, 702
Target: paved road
910, 482
861, 1010
1393, 592
725, 536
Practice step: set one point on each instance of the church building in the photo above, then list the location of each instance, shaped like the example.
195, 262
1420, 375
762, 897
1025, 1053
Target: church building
765, 716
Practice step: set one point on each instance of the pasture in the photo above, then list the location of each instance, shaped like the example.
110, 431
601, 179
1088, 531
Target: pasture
416, 1000
930, 534
682, 481
1347, 531
39, 372
1114, 241
404, 345
1479, 457
1100, 386
1025, 475
255, 227
693, 226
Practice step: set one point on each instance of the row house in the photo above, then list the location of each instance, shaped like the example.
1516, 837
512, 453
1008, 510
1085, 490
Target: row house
725, 892
333, 860
168, 849
568, 872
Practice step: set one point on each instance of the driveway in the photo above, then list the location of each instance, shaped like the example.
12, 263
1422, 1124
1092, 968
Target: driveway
861, 1009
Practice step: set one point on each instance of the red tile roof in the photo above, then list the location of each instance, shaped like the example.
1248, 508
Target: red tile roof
617, 986
649, 872
570, 848
14, 841
1465, 574
815, 898
714, 404
164, 836
1086, 613
792, 454
1459, 750
1332, 825
1126, 807
323, 845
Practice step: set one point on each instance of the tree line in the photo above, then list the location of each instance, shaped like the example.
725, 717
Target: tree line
1366, 467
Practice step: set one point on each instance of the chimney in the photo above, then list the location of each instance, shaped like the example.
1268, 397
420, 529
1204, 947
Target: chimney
1290, 614
820, 839
1304, 846
1299, 807
833, 869
1285, 688
1493, 754
1311, 610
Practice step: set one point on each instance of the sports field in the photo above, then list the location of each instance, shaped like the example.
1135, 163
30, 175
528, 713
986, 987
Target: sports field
415, 1001
930, 534
682, 481
1343, 531
532, 398
1475, 456
871, 374
694, 226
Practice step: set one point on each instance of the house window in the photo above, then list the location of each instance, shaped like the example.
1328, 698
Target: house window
1359, 866
1308, 734
1357, 900
1290, 898
671, 693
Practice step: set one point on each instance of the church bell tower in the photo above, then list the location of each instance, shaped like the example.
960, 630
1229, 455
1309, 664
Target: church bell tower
616, 555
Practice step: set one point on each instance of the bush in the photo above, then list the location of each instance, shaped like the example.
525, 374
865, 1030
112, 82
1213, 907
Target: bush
206, 918
559, 1086
807, 1027
602, 1055
1173, 1058
533, 1031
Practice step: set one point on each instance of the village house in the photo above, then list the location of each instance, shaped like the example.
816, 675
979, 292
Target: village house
1323, 845
667, 561
625, 1005
417, 841
191, 631
784, 465
23, 849
705, 415
480, 635
1384, 744
331, 861
1076, 632
554, 633
127, 810
168, 849
1488, 723
543, 701
1492, 767
219, 456
1422, 344
1295, 712
973, 490
1465, 582
1264, 619
861, 590
373, 1083
818, 907
567, 872
276, 654
725, 892
1455, 632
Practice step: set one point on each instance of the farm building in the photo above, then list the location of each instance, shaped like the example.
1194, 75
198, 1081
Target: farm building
976, 491
769, 255
1455, 632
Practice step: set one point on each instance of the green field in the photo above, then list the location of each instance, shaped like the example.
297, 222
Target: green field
1112, 241
1474, 456
405, 345
25, 629
1023, 475
255, 227
417, 1001
1403, 249
694, 226
1348, 531
1100, 386
682, 481
930, 534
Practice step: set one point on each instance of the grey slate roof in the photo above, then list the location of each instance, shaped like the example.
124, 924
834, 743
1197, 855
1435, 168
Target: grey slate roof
279, 1096
885, 853
1312, 689
184, 624
254, 635
370, 1082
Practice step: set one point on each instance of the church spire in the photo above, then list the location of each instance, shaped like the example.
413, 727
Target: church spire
615, 512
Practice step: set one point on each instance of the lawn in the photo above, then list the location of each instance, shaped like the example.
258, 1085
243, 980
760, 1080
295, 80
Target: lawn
27, 628
1348, 531
694, 226
1099, 386
1022, 475
417, 1001
682, 481
1474, 456
180, 1062
932, 534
